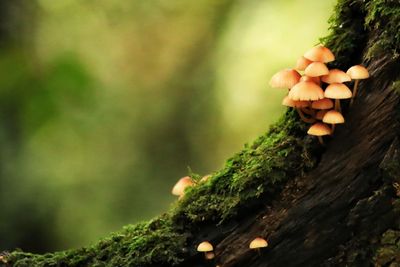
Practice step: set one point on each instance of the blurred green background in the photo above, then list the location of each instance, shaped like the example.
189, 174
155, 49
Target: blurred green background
105, 104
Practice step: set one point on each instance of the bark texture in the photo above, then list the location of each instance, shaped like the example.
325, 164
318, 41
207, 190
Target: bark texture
332, 206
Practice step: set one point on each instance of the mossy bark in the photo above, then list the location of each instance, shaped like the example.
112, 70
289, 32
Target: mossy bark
318, 206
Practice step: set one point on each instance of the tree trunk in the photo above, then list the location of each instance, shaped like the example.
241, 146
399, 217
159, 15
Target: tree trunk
337, 205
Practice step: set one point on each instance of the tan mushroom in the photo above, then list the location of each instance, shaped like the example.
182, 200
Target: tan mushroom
205, 247
319, 129
258, 243
336, 76
316, 69
320, 53
181, 185
333, 117
337, 91
285, 79
357, 73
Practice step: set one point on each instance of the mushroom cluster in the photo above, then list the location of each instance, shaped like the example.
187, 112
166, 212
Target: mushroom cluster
316, 94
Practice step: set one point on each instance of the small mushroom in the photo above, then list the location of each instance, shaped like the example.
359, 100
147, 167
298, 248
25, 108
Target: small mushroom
333, 117
181, 185
285, 79
316, 69
336, 76
258, 243
320, 53
210, 255
205, 247
337, 91
357, 73
324, 103
319, 129
306, 91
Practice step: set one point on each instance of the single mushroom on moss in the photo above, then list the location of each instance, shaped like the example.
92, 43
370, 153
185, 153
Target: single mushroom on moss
181, 185
285, 79
205, 247
320, 53
337, 91
319, 129
357, 73
258, 243
333, 117
299, 106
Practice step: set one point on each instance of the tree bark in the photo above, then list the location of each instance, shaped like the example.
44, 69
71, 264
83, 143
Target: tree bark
333, 206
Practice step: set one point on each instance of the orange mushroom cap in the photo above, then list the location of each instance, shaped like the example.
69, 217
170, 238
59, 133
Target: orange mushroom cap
293, 103
333, 117
316, 69
358, 72
336, 76
258, 243
205, 246
306, 91
319, 129
324, 103
320, 53
181, 185
302, 63
285, 79
338, 91
210, 255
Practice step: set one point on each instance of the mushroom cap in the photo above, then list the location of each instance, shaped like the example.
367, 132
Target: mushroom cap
181, 185
306, 91
293, 103
333, 117
210, 255
324, 103
316, 69
358, 72
302, 63
258, 242
336, 76
319, 129
205, 246
320, 114
320, 53
306, 78
285, 79
337, 91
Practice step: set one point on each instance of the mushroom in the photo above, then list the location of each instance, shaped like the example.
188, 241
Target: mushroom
209, 255
298, 105
302, 63
319, 129
357, 73
320, 53
285, 79
316, 69
205, 247
337, 91
333, 117
181, 185
324, 103
306, 91
336, 76
258, 243
316, 80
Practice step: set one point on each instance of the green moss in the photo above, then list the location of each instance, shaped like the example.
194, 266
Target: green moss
389, 250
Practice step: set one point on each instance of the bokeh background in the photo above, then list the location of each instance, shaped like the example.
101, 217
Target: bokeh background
105, 104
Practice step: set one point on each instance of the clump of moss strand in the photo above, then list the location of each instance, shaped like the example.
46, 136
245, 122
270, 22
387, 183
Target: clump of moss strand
259, 171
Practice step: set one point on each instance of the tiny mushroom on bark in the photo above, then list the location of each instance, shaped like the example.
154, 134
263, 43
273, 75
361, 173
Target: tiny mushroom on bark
205, 247
357, 73
258, 243
181, 185
285, 79
333, 117
319, 129
337, 91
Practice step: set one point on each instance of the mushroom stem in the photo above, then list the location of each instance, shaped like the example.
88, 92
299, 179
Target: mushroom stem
321, 141
354, 92
337, 105
333, 128
304, 118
